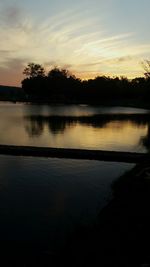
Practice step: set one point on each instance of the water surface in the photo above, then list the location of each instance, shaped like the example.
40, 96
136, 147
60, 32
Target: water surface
75, 126
47, 199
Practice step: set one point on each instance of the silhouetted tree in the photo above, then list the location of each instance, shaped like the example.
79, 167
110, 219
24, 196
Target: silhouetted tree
60, 86
34, 70
146, 66
59, 73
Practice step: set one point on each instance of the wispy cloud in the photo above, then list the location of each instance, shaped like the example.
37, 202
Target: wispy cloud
71, 38
11, 15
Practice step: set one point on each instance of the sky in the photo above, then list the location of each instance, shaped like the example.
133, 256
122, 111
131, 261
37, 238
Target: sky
88, 37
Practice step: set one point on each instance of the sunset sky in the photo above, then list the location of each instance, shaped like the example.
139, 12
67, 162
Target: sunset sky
88, 37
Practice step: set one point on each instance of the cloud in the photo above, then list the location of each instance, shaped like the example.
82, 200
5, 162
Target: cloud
4, 51
12, 15
124, 59
68, 39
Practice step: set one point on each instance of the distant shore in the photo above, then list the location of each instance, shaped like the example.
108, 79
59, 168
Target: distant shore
129, 104
17, 95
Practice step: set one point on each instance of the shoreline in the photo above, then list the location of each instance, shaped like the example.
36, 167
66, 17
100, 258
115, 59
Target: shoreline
114, 156
119, 103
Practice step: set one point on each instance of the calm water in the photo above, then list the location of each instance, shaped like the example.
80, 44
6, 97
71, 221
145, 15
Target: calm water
46, 199
73, 126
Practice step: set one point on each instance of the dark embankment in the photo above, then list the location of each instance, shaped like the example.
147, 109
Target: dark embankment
73, 153
121, 235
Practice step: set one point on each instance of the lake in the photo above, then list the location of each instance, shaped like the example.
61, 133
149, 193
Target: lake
45, 198
75, 126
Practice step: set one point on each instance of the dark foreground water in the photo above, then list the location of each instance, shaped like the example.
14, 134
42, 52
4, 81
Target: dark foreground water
46, 199
72, 127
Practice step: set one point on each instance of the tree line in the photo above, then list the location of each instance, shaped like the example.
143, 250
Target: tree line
60, 86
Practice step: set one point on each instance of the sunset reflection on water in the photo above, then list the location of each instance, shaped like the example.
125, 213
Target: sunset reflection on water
37, 126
